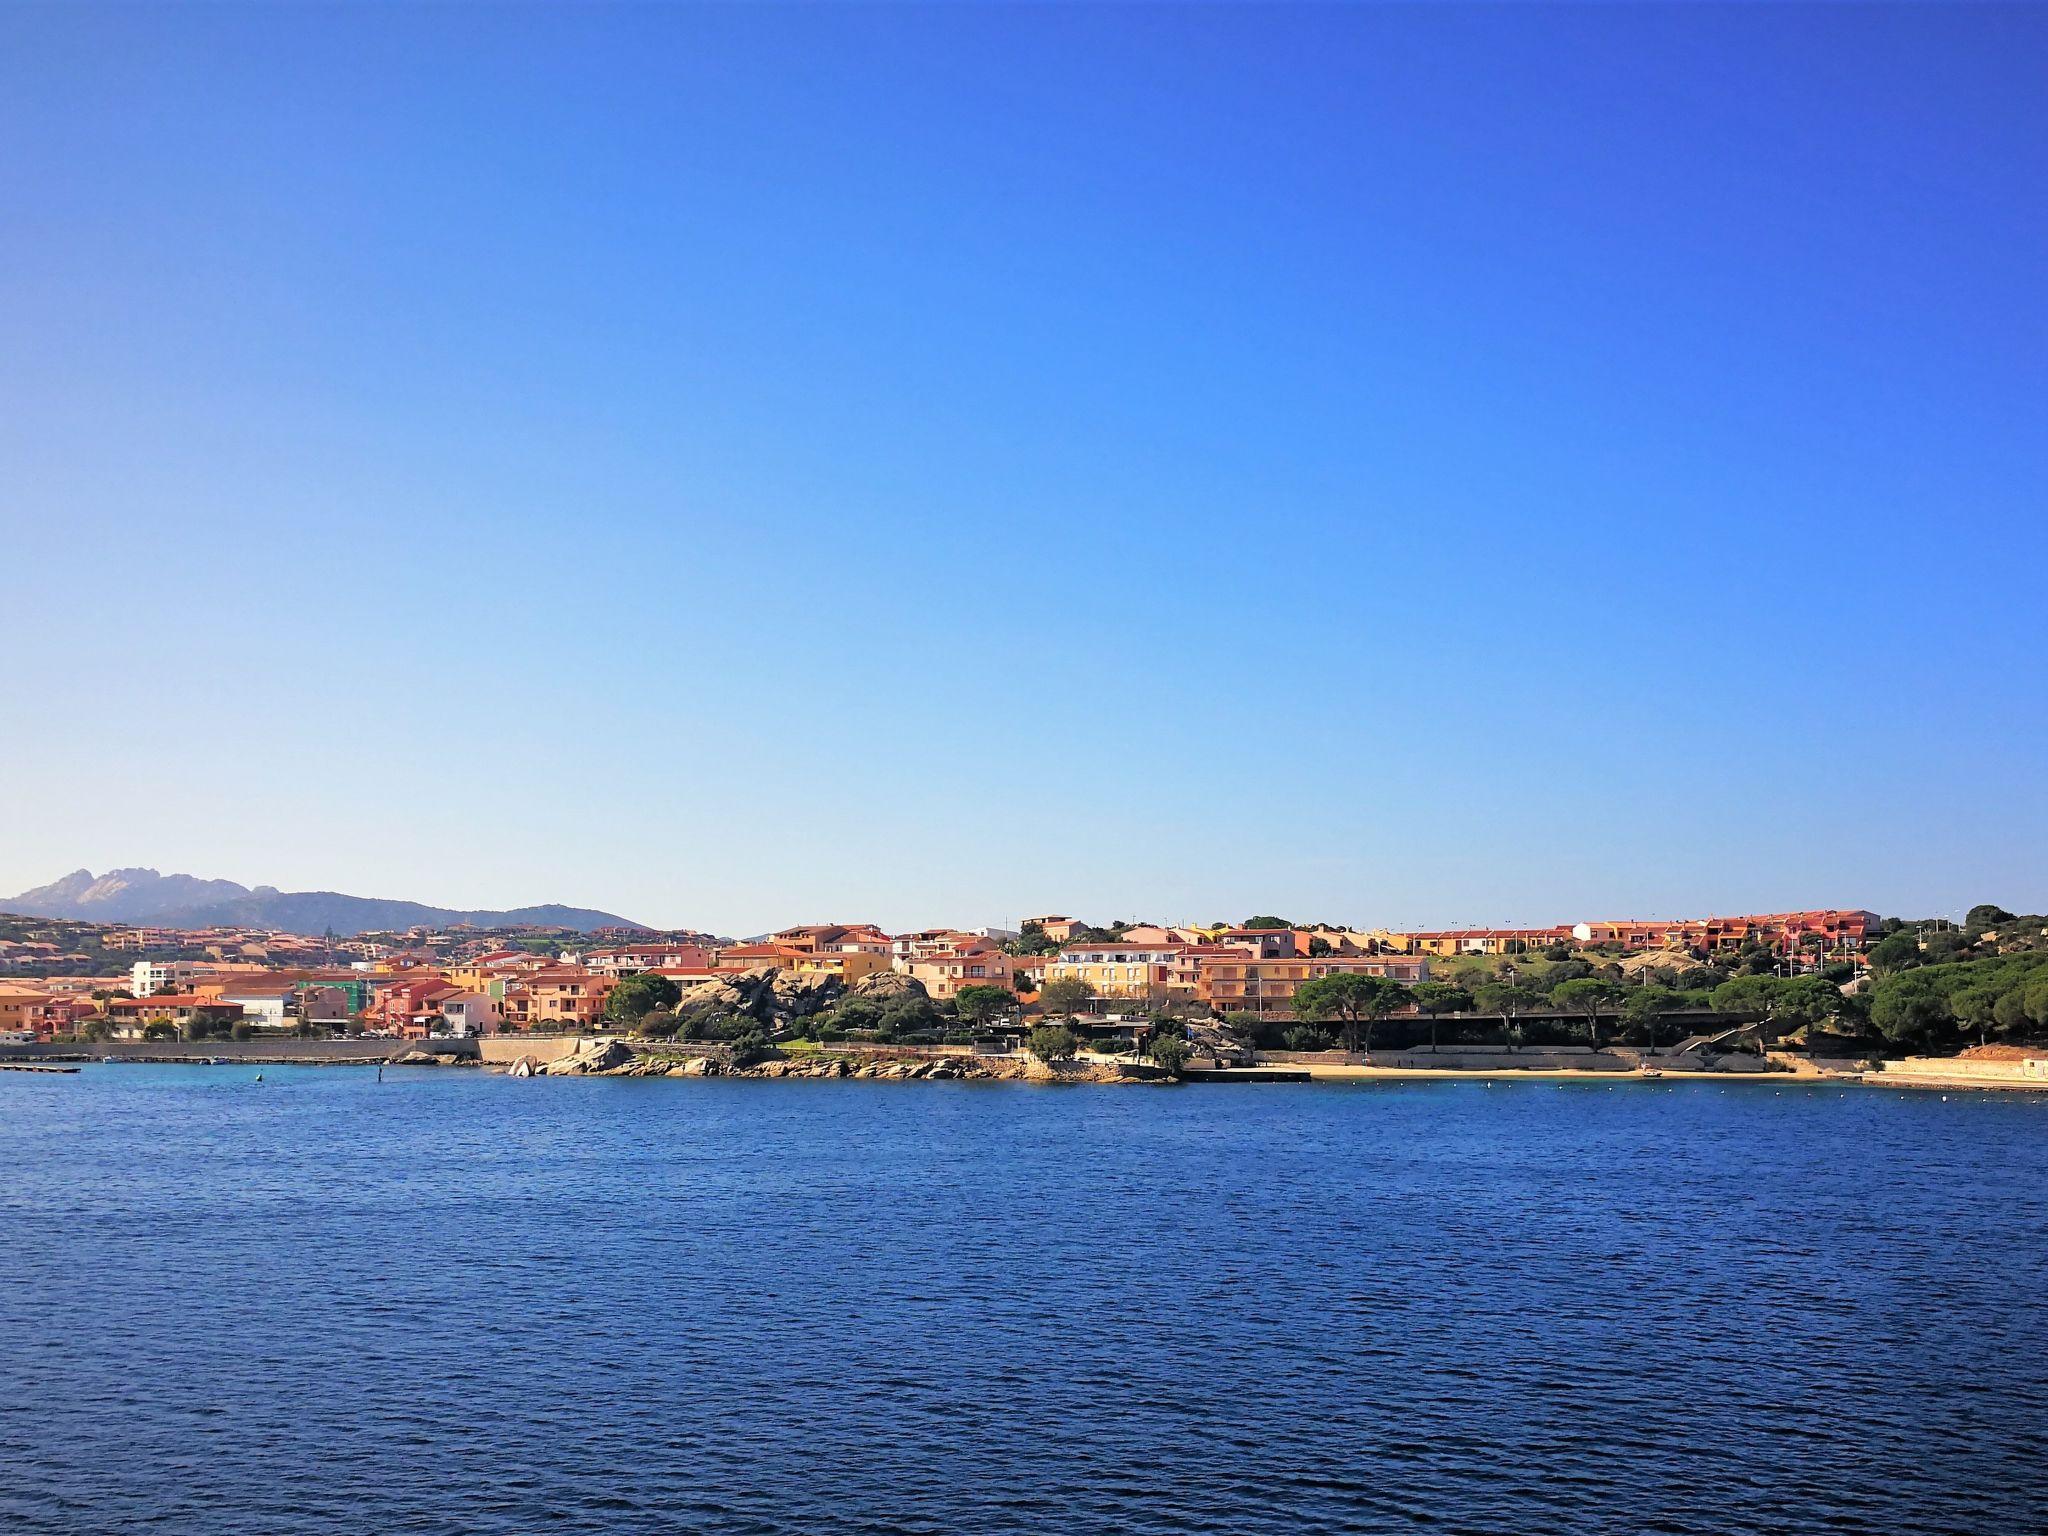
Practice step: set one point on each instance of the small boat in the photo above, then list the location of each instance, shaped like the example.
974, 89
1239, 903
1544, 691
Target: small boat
1651, 1072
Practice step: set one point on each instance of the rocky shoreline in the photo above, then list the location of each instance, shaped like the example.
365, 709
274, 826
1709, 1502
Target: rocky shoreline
611, 1058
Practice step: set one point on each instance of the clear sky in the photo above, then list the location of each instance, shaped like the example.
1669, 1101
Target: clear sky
739, 466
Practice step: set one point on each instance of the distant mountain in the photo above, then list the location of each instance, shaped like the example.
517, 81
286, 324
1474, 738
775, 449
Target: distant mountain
183, 901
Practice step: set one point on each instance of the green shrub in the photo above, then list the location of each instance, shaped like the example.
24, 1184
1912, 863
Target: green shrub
1051, 1042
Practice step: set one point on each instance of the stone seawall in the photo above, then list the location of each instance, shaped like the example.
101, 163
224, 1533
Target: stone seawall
1943, 1071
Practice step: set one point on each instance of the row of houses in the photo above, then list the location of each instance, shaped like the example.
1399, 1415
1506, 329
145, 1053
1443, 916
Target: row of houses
1833, 930
487, 989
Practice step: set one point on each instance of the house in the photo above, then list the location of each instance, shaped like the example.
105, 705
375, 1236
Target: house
1786, 932
1120, 976
927, 942
132, 1014
468, 1014
817, 938
149, 977
748, 957
409, 1008
626, 959
1254, 984
562, 998
1449, 942
848, 965
31, 1013
944, 975
1055, 927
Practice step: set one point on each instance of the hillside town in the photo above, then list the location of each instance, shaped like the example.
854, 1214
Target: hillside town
424, 983
1757, 991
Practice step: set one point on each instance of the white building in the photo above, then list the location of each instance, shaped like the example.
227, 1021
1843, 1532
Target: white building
149, 977
263, 1007
472, 1013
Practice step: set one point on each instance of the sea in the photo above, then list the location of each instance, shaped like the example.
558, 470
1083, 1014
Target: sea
455, 1302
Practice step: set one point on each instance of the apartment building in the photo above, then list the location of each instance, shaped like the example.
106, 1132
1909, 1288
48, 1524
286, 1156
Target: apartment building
944, 975
1117, 971
1252, 984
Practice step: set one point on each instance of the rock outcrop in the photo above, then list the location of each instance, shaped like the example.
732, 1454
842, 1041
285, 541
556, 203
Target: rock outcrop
591, 1056
776, 996
886, 986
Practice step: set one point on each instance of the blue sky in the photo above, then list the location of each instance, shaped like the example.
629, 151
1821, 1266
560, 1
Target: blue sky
740, 466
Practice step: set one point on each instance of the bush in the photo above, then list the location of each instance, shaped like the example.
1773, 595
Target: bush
1170, 1053
1051, 1042
747, 1047
1305, 1037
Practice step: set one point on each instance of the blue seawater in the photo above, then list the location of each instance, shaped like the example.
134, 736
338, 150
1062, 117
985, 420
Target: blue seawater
451, 1302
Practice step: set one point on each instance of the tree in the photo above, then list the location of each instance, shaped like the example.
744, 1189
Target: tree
1776, 999
1350, 999
1509, 1000
1170, 1053
978, 1005
1318, 947
1984, 916
1051, 1042
640, 994
1064, 997
1910, 1006
748, 1046
1032, 940
1436, 998
1646, 1005
1891, 955
1975, 1006
1589, 997
159, 1029
1265, 922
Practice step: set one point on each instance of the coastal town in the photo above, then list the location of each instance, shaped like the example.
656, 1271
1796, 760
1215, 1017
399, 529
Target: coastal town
1834, 983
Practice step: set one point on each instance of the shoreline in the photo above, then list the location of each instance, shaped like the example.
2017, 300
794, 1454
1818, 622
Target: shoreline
624, 1061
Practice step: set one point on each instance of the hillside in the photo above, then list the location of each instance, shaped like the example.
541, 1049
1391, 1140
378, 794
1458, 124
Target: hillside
144, 896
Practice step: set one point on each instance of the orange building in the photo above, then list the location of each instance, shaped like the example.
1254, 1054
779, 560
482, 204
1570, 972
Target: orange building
944, 975
1266, 987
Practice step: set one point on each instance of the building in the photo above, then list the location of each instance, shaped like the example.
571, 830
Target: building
408, 1008
1450, 942
928, 942
627, 959
557, 999
1831, 930
30, 1013
146, 978
468, 1014
181, 1009
749, 957
1120, 976
1055, 927
848, 965
1253, 984
819, 938
944, 975
289, 1005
